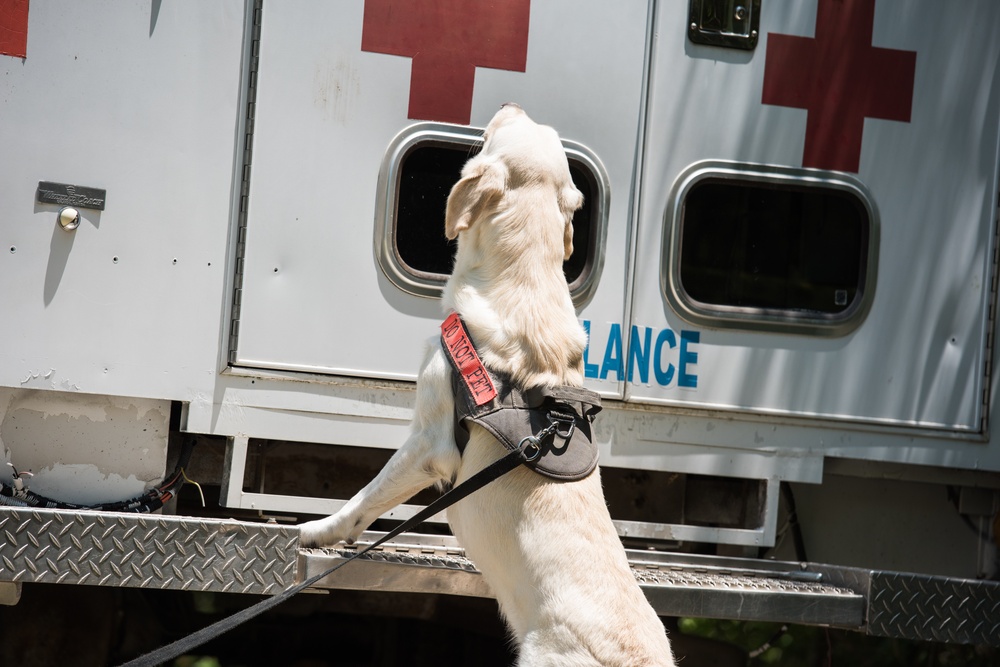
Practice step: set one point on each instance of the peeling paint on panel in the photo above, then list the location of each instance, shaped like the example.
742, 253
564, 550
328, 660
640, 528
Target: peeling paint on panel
47, 380
85, 482
34, 376
83, 449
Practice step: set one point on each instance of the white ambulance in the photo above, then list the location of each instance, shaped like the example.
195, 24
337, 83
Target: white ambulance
221, 246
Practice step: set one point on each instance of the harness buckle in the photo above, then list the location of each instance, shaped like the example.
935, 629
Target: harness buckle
563, 425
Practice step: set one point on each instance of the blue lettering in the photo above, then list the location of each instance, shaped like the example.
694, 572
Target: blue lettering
672, 354
640, 354
613, 353
685, 379
589, 370
663, 376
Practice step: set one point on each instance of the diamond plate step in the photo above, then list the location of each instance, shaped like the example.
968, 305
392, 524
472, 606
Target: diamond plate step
675, 584
747, 590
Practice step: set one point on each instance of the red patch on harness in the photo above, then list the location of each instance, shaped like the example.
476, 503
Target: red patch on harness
463, 356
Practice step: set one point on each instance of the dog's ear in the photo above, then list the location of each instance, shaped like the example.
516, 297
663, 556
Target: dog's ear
483, 182
570, 199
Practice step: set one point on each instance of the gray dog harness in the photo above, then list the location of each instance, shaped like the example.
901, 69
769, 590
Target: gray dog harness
512, 414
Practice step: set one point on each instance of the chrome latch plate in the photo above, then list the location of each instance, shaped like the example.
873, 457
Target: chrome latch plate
728, 23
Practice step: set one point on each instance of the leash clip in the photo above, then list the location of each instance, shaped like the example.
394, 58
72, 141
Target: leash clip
560, 425
530, 447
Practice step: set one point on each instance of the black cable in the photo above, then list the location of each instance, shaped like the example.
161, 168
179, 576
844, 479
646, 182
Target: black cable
763, 648
800, 555
793, 523
150, 501
954, 496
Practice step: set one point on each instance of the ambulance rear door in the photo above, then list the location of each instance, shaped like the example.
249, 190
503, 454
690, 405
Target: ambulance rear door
818, 208
363, 112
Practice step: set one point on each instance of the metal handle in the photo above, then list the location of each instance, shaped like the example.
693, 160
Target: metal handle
69, 218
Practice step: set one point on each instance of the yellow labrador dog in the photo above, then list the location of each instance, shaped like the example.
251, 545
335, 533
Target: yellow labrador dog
547, 548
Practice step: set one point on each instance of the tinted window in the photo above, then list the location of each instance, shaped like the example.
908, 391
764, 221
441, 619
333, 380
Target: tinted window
426, 177
427, 173
770, 248
778, 248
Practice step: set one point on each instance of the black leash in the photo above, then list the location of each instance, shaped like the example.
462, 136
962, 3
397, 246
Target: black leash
528, 450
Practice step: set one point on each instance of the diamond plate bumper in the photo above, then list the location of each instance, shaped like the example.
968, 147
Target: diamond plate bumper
950, 610
145, 551
913, 606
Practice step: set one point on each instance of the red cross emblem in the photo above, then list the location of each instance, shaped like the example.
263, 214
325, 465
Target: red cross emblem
447, 40
841, 79
14, 28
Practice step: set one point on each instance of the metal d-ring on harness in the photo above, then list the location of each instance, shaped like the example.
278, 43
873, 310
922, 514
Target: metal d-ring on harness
561, 425
531, 446
529, 449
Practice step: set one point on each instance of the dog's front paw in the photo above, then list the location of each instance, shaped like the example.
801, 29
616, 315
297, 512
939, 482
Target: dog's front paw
324, 532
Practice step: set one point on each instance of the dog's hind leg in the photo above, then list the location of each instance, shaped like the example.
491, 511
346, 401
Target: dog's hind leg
429, 455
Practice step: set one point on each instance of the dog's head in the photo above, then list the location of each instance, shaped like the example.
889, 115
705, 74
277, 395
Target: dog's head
520, 162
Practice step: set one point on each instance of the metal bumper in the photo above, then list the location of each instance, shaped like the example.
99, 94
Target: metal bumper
170, 552
145, 551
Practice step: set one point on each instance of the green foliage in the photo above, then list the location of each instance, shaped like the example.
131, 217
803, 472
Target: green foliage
195, 661
793, 647
805, 646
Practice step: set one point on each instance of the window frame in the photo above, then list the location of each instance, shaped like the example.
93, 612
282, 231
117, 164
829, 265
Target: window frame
431, 285
771, 320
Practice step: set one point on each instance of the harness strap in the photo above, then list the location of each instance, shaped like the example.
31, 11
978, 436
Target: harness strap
527, 451
465, 360
536, 396
509, 413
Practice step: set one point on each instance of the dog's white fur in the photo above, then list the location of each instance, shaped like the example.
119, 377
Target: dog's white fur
547, 549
